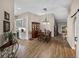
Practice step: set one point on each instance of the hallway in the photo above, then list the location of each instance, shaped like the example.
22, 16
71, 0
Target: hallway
56, 48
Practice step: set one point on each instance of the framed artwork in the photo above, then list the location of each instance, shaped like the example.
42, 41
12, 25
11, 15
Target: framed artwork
6, 15
6, 26
64, 29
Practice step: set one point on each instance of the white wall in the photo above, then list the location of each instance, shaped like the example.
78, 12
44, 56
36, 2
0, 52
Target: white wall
24, 16
77, 34
6, 5
60, 26
70, 23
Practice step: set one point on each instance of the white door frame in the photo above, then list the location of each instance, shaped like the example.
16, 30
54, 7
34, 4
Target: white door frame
77, 34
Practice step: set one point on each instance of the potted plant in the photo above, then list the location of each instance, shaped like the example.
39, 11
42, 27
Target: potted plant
9, 36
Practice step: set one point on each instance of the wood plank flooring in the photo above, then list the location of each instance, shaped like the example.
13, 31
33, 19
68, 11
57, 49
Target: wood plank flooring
56, 48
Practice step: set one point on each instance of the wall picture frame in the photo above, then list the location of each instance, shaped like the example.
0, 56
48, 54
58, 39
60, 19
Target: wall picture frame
6, 26
64, 29
6, 15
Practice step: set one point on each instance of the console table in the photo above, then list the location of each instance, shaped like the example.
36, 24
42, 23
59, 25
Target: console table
7, 50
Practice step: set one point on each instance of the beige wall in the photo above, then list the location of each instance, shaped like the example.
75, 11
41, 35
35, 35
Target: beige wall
32, 18
6, 5
70, 23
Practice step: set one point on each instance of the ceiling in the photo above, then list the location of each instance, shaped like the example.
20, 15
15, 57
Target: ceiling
58, 7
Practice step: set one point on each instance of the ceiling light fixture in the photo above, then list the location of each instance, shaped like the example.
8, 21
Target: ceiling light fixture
45, 21
19, 8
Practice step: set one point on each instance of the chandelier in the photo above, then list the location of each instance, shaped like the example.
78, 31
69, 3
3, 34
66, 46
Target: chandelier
45, 21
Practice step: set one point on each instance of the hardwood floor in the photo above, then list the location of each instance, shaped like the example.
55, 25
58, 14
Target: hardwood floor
56, 48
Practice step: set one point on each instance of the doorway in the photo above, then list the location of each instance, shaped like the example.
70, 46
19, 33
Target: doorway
35, 29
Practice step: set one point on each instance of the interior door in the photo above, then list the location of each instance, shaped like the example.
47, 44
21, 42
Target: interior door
35, 29
77, 34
